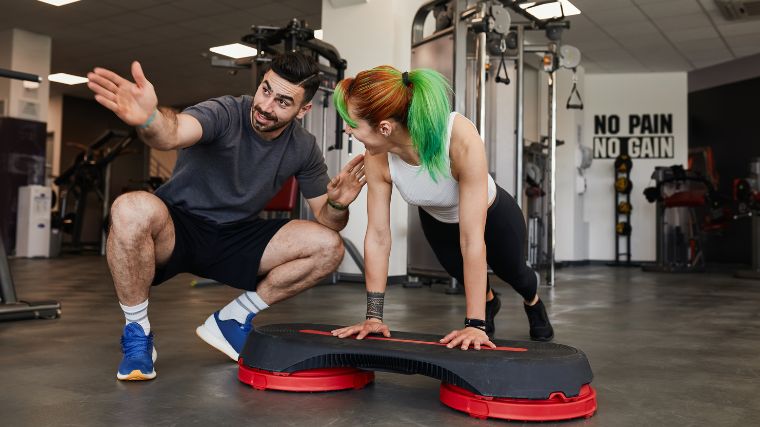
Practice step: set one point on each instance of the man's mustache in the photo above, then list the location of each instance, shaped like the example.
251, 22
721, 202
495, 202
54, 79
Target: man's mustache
263, 114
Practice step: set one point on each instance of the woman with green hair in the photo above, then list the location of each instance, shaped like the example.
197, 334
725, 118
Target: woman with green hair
437, 161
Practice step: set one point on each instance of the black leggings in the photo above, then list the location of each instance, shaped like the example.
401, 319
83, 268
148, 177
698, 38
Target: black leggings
504, 238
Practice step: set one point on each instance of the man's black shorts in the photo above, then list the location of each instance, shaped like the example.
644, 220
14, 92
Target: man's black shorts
228, 253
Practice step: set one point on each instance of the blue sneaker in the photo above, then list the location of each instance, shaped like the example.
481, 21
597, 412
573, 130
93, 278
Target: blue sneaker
139, 354
227, 336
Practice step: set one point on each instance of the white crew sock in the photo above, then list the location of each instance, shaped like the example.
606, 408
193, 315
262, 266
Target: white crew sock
242, 306
137, 314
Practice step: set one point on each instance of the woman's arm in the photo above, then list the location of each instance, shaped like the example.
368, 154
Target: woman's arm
469, 167
471, 170
377, 247
377, 240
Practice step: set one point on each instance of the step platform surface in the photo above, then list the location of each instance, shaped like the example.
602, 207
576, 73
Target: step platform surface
284, 356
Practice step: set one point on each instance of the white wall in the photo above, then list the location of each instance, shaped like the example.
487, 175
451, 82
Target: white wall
625, 94
367, 35
29, 53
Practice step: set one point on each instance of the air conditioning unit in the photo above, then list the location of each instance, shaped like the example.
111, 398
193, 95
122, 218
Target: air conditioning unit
739, 10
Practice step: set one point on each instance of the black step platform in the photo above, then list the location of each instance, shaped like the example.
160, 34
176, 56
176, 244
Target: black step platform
306, 357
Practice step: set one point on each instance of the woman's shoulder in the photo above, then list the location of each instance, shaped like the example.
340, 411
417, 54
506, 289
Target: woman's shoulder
463, 133
377, 164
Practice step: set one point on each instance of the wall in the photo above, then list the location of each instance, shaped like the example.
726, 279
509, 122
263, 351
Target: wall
725, 118
623, 95
367, 35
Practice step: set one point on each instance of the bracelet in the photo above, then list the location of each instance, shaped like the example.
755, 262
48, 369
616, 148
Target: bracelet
375, 302
475, 323
150, 119
336, 205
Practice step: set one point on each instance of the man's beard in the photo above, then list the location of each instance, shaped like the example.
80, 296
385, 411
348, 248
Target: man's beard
276, 124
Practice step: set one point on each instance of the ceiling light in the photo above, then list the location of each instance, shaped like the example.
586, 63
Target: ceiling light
551, 9
59, 2
30, 85
68, 79
318, 34
235, 50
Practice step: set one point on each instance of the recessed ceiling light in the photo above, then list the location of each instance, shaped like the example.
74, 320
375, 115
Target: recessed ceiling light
68, 79
59, 2
550, 10
235, 50
318, 34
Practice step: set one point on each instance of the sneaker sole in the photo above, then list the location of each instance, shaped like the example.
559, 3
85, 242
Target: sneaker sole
138, 375
210, 333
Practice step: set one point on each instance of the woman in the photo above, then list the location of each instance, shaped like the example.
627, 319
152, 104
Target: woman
436, 160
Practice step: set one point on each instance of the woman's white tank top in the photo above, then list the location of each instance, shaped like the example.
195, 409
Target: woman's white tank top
439, 199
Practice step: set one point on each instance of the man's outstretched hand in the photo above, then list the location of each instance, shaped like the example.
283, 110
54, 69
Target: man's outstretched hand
132, 102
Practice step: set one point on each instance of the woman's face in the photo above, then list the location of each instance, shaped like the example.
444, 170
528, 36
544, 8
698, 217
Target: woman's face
370, 136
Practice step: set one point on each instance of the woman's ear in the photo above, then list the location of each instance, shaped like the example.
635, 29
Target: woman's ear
385, 128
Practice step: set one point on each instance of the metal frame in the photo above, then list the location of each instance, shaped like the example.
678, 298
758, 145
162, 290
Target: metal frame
463, 13
11, 308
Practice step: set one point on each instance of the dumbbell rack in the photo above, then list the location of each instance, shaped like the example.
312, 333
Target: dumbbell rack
622, 259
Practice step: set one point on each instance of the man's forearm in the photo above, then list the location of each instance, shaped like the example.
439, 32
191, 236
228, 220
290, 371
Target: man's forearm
161, 132
333, 218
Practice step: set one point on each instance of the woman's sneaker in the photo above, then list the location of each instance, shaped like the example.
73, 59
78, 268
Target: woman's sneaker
492, 308
540, 327
227, 336
139, 354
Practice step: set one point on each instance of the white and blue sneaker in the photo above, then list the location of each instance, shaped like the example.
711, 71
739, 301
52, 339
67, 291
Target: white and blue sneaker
227, 336
139, 354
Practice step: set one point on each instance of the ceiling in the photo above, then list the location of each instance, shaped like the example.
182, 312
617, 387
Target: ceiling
658, 35
170, 36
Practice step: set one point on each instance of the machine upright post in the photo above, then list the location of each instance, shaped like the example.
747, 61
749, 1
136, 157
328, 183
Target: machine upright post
520, 113
552, 173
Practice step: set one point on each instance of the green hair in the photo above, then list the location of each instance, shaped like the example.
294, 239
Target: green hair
422, 106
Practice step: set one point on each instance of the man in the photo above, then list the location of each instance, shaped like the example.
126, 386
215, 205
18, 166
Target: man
234, 155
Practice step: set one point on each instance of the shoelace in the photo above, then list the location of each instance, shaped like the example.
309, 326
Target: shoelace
135, 345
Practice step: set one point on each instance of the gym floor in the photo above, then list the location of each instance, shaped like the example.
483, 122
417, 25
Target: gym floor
665, 350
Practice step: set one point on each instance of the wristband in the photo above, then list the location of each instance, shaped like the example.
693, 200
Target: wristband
375, 302
336, 205
150, 119
475, 323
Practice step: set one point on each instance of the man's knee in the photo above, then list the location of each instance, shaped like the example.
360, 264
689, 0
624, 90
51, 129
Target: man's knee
135, 212
331, 249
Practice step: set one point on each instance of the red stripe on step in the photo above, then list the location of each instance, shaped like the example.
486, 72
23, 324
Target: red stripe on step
315, 332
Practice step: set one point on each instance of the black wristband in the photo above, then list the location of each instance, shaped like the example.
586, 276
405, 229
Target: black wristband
375, 302
475, 323
337, 206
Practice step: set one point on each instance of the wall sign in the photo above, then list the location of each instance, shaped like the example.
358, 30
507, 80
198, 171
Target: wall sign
641, 136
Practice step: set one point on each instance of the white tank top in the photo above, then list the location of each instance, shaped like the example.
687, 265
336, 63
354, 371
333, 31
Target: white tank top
439, 199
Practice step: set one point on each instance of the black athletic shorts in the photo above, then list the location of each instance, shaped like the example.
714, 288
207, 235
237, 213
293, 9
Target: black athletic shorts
228, 253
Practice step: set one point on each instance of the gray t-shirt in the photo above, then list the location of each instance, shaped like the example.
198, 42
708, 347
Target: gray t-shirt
232, 173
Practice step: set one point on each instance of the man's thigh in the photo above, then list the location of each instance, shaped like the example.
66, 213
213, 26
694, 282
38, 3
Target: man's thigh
296, 239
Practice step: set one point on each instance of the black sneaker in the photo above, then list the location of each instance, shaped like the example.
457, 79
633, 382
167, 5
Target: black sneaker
492, 308
540, 327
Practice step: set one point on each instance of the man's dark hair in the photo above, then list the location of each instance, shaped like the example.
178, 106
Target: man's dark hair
298, 69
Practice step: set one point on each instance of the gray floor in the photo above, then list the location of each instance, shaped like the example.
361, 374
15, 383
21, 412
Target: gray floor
673, 350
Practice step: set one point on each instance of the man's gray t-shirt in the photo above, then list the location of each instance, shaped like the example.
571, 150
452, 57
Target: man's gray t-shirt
231, 173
